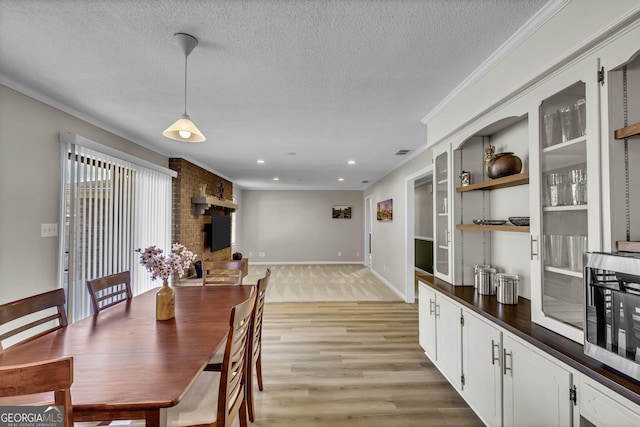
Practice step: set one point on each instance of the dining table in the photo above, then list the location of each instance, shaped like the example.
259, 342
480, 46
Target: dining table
127, 364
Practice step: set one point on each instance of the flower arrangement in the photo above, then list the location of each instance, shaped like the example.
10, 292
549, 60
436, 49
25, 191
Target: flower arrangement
161, 265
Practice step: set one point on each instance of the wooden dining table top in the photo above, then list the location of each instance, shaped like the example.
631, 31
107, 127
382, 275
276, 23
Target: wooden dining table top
127, 364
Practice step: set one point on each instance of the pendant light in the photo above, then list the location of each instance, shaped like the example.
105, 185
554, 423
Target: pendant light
184, 129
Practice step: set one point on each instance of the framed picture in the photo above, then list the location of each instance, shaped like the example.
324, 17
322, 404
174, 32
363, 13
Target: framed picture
343, 212
385, 210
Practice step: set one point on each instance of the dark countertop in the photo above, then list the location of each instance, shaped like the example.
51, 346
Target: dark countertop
517, 320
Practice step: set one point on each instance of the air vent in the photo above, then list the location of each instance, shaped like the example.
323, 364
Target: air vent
365, 182
402, 152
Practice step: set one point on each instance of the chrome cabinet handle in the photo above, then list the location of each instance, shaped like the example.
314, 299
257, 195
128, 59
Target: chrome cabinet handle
494, 359
431, 307
536, 253
437, 310
504, 361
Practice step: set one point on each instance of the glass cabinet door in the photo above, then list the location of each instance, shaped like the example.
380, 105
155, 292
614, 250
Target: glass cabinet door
564, 222
442, 216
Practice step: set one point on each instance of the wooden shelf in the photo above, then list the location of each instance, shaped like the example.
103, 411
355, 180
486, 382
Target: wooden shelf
631, 130
624, 246
201, 204
494, 184
505, 227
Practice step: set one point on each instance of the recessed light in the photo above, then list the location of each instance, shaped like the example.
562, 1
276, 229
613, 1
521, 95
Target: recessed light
340, 179
351, 162
260, 161
276, 179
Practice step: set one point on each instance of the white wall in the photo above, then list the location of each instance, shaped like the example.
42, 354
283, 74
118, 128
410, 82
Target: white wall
29, 188
297, 227
388, 237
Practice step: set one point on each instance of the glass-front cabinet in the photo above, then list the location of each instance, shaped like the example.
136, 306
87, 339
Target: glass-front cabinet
442, 209
565, 177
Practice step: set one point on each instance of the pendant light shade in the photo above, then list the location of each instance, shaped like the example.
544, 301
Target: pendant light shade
184, 129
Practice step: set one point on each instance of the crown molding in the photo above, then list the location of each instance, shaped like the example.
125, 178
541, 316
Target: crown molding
530, 27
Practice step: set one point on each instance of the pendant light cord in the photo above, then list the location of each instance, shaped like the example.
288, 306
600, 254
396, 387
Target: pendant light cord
185, 85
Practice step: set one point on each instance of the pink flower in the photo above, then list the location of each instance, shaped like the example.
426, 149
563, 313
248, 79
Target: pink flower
161, 265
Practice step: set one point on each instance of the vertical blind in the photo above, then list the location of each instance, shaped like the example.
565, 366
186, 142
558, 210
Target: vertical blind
111, 207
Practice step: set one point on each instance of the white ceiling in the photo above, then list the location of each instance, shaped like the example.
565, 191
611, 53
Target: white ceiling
327, 80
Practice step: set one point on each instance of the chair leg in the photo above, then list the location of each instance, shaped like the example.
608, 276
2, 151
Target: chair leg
242, 414
248, 390
259, 370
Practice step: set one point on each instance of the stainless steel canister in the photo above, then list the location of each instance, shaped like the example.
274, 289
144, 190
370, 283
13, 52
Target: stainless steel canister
475, 272
507, 288
486, 281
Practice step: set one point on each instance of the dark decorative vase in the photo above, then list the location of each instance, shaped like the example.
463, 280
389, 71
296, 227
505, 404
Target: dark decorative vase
503, 164
237, 256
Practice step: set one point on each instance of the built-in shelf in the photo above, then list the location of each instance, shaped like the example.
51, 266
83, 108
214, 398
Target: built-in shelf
565, 208
445, 247
513, 228
624, 246
564, 271
494, 184
626, 132
442, 181
201, 204
443, 214
565, 154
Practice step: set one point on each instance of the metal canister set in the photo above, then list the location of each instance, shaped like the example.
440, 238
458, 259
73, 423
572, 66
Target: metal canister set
504, 286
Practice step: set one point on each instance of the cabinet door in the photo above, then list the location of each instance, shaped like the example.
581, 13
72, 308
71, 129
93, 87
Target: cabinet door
603, 407
564, 189
426, 320
449, 340
481, 367
442, 213
536, 389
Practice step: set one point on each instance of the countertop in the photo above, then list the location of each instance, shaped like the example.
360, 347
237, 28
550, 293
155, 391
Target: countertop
517, 320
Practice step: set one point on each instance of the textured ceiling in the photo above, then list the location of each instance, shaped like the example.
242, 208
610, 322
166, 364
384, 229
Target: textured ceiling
327, 80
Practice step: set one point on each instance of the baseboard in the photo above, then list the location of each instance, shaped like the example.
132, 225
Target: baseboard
388, 284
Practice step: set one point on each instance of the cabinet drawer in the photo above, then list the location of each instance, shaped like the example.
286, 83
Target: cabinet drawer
602, 407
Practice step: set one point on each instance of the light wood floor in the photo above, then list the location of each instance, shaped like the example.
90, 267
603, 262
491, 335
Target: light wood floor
351, 364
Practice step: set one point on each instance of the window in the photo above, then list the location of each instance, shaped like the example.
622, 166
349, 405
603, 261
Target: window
111, 206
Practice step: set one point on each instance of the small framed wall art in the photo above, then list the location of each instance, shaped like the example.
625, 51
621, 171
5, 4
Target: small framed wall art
343, 212
385, 210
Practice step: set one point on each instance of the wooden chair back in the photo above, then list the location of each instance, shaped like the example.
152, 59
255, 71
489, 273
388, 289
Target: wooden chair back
109, 290
231, 400
40, 306
222, 272
255, 342
47, 376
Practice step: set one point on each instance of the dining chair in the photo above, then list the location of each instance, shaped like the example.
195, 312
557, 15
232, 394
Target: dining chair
109, 290
222, 272
45, 308
47, 376
217, 398
255, 343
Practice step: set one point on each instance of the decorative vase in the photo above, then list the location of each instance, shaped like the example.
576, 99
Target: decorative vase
166, 302
503, 164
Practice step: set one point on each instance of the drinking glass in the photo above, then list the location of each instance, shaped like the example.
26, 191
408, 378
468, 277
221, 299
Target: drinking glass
580, 108
557, 247
578, 187
551, 128
576, 248
567, 122
556, 188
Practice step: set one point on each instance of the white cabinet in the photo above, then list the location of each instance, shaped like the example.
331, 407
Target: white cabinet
536, 387
481, 368
440, 332
427, 320
442, 221
601, 407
